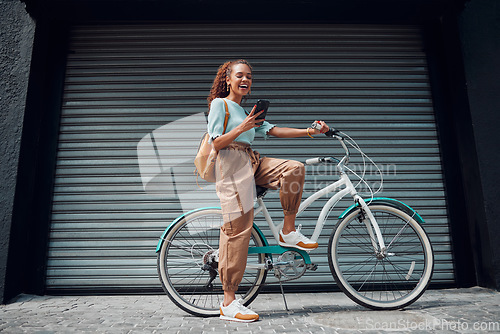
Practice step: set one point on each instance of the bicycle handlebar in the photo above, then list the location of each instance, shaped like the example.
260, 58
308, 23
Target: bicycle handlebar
334, 133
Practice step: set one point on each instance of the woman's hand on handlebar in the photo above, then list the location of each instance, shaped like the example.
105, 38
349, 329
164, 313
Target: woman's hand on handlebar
324, 128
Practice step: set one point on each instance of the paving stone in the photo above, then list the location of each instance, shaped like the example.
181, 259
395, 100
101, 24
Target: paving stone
445, 311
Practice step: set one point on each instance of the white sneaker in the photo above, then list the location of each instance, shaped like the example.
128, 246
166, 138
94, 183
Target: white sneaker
237, 312
297, 240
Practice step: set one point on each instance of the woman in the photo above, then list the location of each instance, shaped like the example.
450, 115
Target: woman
238, 169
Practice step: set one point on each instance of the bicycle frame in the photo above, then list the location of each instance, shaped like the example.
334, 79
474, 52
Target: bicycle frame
373, 228
344, 181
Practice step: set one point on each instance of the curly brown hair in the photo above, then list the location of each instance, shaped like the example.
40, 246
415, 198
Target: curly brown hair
219, 86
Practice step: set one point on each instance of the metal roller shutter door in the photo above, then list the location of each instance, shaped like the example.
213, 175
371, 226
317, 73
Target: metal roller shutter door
125, 81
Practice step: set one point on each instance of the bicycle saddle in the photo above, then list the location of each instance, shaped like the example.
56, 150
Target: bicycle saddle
261, 191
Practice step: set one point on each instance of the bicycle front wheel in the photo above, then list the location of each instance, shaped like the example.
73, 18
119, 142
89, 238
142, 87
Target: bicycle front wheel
381, 280
187, 264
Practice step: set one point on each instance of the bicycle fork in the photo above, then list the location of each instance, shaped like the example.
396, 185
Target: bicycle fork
371, 222
372, 227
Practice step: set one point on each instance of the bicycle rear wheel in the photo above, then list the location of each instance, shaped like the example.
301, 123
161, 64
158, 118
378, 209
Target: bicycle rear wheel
387, 281
187, 264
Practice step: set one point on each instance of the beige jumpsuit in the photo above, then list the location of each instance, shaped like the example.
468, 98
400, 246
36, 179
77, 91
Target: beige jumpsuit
238, 170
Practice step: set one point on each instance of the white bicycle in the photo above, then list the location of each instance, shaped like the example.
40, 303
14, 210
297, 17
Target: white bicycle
378, 252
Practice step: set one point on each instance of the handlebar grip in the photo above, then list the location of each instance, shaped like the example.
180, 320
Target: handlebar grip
331, 132
313, 161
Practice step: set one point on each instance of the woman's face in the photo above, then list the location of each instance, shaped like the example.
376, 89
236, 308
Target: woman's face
240, 79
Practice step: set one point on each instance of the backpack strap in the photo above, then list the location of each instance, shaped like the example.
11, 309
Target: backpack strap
227, 116
225, 126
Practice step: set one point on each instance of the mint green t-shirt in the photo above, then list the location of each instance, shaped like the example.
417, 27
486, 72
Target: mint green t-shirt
237, 114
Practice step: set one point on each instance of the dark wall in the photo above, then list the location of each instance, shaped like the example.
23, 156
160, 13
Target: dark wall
479, 28
29, 231
17, 32
338, 11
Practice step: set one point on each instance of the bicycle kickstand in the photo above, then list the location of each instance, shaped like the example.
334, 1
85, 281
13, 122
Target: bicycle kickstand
283, 294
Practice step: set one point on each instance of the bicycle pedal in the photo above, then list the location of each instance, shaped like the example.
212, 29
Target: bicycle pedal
312, 266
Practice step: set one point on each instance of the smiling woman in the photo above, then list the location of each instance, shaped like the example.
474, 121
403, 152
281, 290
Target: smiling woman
239, 169
222, 85
241, 78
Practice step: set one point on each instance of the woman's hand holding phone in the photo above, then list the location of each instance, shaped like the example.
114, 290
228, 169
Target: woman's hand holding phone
248, 123
251, 120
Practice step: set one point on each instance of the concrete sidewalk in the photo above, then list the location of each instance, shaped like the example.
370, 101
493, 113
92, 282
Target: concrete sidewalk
449, 311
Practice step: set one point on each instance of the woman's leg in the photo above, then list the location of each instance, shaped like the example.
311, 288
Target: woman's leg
289, 223
289, 176
233, 252
235, 188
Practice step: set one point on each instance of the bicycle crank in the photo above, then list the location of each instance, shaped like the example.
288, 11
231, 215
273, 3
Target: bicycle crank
289, 265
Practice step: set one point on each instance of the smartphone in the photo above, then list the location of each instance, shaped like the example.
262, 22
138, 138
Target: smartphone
262, 105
